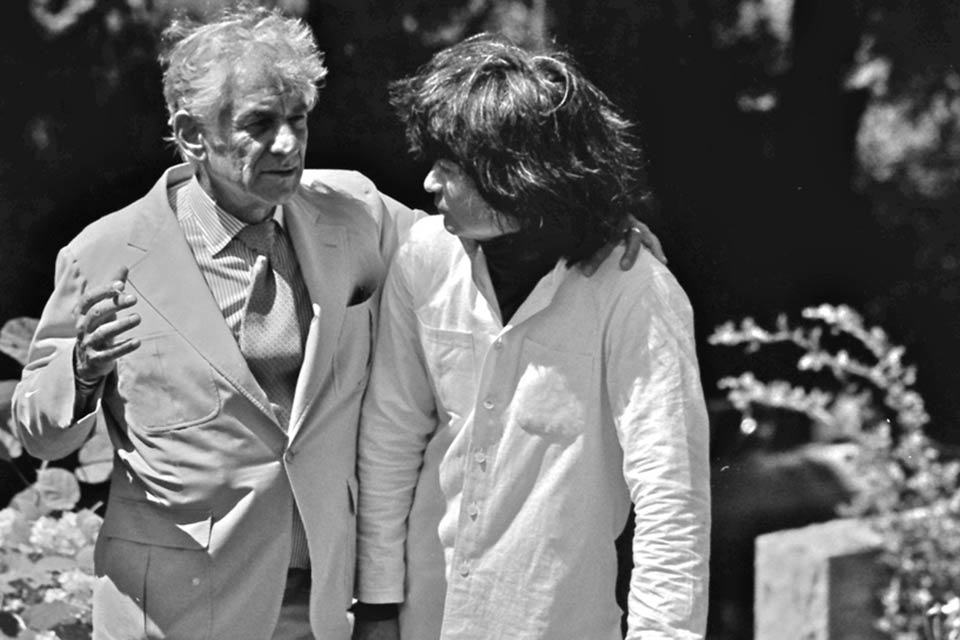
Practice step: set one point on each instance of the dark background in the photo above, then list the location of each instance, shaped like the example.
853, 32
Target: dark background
799, 152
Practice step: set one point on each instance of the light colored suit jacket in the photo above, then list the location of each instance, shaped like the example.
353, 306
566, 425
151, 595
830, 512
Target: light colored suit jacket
197, 529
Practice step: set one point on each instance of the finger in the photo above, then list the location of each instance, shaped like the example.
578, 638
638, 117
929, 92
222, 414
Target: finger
105, 311
109, 290
108, 331
632, 250
102, 359
652, 242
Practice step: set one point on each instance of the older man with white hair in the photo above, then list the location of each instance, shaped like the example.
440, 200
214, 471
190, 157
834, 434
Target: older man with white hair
220, 327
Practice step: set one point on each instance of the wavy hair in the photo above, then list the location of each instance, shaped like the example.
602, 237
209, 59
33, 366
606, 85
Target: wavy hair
200, 60
545, 147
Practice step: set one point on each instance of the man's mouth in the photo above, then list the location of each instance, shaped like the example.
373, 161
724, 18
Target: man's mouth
281, 172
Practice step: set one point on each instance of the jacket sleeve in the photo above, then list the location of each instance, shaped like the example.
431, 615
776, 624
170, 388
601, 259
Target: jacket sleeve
399, 415
661, 420
397, 220
43, 402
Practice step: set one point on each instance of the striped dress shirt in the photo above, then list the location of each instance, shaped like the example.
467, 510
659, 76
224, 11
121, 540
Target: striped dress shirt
226, 264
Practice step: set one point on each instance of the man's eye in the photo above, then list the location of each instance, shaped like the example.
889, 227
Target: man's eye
256, 126
448, 166
299, 120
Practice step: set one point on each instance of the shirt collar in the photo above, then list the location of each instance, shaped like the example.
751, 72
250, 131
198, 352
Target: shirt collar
216, 225
538, 299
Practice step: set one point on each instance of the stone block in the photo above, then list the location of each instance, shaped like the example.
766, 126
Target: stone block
818, 582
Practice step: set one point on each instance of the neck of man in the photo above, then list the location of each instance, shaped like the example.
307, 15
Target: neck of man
250, 214
517, 261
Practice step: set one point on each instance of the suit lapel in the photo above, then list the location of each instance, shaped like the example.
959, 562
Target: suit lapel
167, 278
321, 253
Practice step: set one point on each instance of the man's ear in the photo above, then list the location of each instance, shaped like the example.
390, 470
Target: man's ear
189, 136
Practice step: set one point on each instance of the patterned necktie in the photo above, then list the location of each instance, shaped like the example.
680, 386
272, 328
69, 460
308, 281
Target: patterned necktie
271, 333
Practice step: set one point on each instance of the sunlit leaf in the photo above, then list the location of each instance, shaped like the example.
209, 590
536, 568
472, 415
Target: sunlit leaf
47, 615
84, 559
29, 503
9, 445
56, 563
15, 337
59, 489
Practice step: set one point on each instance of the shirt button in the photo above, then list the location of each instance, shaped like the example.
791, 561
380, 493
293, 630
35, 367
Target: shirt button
473, 511
464, 569
195, 581
480, 457
488, 404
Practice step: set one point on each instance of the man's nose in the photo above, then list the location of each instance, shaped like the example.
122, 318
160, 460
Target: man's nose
431, 183
286, 141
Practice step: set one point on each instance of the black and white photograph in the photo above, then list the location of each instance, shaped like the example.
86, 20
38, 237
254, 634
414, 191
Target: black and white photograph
480, 320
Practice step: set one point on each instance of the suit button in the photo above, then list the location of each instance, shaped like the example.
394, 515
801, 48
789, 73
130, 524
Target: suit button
488, 404
464, 569
498, 344
480, 457
288, 456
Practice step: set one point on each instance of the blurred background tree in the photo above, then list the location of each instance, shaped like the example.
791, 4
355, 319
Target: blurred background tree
800, 152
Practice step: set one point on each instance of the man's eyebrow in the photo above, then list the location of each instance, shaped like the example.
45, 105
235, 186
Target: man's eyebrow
255, 114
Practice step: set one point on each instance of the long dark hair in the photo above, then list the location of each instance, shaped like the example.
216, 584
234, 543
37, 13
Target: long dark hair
545, 147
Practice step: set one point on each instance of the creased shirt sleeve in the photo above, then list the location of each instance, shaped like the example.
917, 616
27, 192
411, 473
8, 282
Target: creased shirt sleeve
398, 417
661, 420
43, 401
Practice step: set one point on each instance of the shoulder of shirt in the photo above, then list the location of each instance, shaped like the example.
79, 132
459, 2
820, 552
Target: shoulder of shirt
428, 239
428, 253
649, 284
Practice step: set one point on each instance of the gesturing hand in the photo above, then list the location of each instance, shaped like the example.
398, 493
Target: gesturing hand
99, 329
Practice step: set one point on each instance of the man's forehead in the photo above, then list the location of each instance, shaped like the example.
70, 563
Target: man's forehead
261, 88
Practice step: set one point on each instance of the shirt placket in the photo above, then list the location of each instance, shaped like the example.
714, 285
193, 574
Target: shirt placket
500, 348
486, 431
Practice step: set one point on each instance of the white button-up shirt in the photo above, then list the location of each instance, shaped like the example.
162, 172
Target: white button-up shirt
498, 463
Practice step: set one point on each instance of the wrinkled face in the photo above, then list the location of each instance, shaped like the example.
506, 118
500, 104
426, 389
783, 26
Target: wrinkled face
255, 157
465, 213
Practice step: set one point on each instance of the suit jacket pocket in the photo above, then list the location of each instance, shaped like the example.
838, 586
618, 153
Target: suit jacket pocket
165, 385
352, 359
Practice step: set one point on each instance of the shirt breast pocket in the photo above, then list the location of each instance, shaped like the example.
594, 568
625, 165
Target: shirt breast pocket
450, 359
165, 385
552, 395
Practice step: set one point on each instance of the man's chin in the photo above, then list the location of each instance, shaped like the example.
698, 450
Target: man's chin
280, 190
